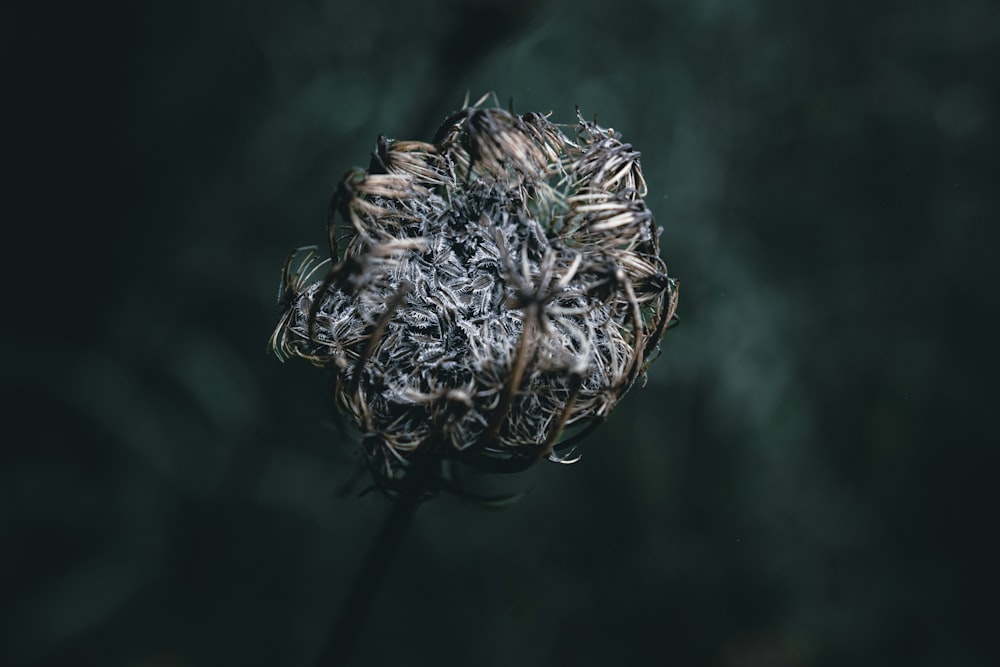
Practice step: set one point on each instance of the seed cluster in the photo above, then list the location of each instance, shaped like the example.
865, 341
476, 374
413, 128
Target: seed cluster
490, 296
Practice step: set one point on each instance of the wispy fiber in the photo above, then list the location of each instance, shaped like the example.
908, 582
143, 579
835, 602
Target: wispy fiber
489, 296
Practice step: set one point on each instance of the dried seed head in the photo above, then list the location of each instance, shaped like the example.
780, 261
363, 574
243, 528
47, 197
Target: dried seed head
498, 288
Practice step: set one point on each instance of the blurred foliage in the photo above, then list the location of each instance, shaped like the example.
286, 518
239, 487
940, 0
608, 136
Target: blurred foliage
806, 478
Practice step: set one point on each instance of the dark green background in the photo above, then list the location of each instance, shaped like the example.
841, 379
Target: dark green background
806, 478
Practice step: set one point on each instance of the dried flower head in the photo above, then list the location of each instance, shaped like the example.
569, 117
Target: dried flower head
490, 296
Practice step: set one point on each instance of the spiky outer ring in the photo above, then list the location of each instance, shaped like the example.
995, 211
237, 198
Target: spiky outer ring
498, 288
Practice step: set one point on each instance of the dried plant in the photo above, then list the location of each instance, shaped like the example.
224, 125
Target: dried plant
490, 296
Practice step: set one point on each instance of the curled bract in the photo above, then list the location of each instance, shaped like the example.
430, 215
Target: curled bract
490, 296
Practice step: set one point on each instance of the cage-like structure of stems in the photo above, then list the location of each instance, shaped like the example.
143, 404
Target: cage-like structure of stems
490, 295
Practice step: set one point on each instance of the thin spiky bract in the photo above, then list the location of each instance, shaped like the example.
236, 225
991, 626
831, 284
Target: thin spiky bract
498, 288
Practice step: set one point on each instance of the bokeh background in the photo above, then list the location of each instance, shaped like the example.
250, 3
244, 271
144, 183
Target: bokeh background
807, 477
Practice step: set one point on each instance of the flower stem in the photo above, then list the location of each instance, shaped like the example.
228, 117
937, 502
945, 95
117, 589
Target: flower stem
344, 637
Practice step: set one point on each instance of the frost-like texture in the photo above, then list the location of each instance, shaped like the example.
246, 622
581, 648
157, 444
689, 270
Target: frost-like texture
498, 286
